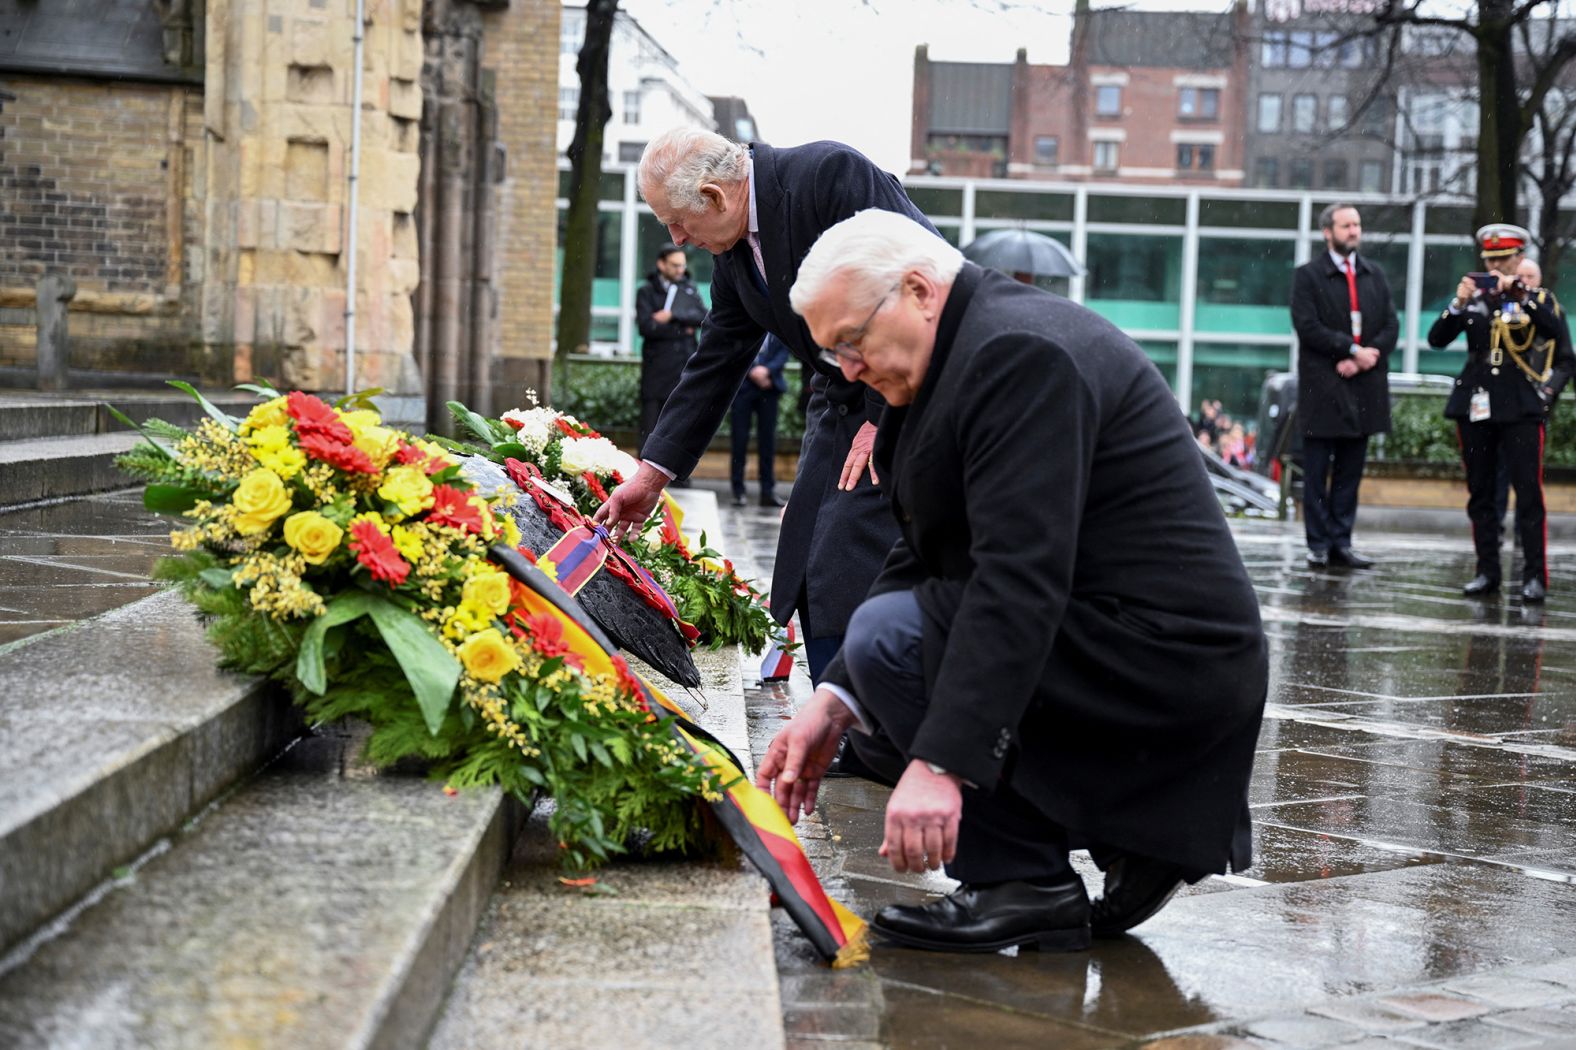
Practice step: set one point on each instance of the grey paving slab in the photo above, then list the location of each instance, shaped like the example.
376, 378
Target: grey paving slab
112, 733
306, 910
658, 952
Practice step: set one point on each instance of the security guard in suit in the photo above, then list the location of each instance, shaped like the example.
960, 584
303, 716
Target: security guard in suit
1517, 360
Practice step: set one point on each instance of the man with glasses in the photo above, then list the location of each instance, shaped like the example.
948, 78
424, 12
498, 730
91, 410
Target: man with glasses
758, 210
1032, 668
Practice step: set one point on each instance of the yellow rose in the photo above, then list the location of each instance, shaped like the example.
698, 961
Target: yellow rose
259, 501
487, 590
287, 462
268, 414
487, 656
408, 489
313, 535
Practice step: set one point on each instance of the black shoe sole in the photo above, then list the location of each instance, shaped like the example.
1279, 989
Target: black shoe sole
1073, 940
1143, 915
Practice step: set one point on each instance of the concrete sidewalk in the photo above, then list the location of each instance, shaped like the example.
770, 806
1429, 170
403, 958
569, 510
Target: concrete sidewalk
1415, 874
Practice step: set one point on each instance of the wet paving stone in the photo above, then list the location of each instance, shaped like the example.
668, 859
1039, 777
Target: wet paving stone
1414, 844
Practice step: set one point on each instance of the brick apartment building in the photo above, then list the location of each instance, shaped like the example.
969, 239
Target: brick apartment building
1155, 97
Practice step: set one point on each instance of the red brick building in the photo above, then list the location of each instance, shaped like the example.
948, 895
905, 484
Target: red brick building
1145, 97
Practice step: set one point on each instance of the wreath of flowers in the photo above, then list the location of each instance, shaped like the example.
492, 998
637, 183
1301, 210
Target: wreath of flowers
576, 459
350, 561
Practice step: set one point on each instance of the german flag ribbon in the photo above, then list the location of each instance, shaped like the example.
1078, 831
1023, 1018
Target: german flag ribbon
577, 557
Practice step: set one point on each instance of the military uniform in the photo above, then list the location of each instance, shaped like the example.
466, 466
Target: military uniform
1518, 358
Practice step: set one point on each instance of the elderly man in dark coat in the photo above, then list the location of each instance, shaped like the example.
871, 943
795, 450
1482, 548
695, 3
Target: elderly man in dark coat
1064, 648
758, 210
1346, 329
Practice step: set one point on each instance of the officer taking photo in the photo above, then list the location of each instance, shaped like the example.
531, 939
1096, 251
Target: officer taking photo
1518, 359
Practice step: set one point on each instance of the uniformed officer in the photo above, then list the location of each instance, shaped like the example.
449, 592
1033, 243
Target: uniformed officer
1517, 361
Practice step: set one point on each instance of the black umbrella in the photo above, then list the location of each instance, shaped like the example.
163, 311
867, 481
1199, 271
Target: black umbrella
1023, 251
629, 619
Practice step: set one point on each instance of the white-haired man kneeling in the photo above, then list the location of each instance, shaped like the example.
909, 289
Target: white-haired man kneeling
1063, 650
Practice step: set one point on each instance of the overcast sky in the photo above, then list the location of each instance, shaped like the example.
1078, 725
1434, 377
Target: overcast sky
844, 69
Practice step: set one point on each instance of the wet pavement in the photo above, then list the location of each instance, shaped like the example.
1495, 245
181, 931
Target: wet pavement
66, 561
1414, 881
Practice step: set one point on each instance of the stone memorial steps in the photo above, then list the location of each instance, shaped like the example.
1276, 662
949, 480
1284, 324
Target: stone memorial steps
180, 867
57, 447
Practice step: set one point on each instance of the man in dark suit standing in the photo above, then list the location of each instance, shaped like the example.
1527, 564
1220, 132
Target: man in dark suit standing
668, 312
1346, 328
1035, 672
757, 399
758, 210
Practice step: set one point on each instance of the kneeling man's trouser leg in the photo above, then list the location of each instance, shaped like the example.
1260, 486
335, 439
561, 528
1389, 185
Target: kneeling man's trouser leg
1001, 836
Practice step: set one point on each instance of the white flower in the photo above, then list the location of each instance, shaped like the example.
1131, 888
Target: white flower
597, 455
533, 427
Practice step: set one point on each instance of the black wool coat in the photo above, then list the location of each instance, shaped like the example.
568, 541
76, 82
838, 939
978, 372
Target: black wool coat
1511, 396
1327, 405
832, 543
1091, 635
666, 345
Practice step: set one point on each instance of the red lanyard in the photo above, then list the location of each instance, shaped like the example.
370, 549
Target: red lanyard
1351, 289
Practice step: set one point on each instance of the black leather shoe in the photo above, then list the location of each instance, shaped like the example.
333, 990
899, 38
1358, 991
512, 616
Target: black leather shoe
1533, 590
773, 501
1135, 888
1480, 584
990, 918
1317, 559
1349, 558
739, 500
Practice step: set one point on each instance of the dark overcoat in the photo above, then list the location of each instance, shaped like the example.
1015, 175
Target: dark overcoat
665, 345
832, 543
1090, 632
1327, 405
1511, 396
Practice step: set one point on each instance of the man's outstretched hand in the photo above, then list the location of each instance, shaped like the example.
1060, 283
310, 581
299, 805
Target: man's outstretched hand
798, 755
632, 502
922, 819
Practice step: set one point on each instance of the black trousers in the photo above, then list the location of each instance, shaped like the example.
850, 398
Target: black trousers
1332, 471
1001, 836
1519, 446
751, 400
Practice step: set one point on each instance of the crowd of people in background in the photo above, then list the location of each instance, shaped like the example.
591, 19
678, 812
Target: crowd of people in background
1216, 432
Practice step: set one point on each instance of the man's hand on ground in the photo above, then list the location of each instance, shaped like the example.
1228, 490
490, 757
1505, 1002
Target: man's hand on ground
859, 457
922, 819
798, 755
632, 502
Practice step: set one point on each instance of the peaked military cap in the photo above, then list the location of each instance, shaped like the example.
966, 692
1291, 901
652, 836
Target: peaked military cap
1499, 239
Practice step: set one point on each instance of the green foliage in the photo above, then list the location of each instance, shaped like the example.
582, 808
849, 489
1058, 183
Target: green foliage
708, 599
1420, 433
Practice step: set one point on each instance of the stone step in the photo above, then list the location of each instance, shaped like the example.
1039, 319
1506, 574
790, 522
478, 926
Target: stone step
657, 953
35, 417
58, 467
32, 415
312, 908
113, 732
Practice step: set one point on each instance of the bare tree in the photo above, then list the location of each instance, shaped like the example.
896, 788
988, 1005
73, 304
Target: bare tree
585, 177
1550, 171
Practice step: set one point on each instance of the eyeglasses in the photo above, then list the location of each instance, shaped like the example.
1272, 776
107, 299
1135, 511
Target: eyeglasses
847, 348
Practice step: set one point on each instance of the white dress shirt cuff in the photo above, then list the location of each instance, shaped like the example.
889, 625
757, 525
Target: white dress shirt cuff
660, 467
853, 706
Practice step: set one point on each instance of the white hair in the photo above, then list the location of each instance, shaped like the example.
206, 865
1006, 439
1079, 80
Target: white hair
680, 161
875, 248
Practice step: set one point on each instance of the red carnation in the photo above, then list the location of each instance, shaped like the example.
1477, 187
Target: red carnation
589, 477
452, 507
313, 415
345, 456
409, 455
547, 635
629, 683
376, 551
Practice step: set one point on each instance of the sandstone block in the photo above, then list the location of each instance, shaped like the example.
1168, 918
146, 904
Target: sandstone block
310, 227
405, 98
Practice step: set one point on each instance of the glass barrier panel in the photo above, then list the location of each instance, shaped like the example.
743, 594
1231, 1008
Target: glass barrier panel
1011, 204
1263, 215
934, 201
1233, 374
1135, 282
1244, 286
1149, 211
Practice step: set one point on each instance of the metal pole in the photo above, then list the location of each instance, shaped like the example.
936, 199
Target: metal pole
1189, 305
355, 181
1414, 287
